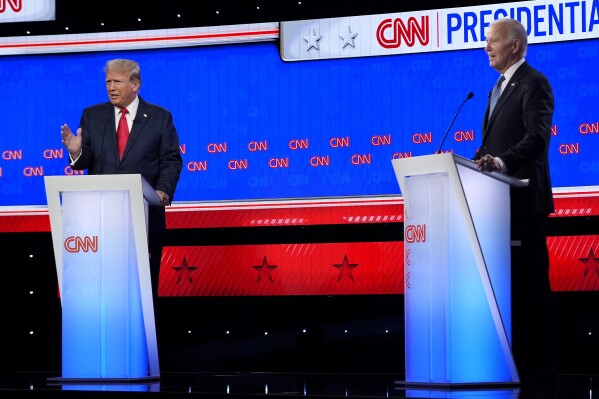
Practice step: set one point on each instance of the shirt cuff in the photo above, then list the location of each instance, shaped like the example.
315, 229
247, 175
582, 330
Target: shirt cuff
502, 167
75, 159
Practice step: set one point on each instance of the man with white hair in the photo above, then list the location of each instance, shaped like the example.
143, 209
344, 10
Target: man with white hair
515, 140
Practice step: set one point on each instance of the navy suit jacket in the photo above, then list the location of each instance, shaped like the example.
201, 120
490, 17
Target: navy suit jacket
152, 149
519, 130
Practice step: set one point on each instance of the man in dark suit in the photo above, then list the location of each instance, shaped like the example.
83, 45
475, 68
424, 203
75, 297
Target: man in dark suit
150, 149
516, 133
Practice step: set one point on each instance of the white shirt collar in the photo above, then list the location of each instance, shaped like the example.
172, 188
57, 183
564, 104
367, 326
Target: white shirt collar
511, 71
132, 108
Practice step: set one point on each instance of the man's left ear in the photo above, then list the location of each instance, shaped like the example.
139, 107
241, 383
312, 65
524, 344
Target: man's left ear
517, 46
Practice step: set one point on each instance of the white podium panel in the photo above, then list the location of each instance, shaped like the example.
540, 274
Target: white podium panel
99, 235
457, 272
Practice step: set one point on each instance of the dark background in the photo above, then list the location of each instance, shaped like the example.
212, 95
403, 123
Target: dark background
361, 334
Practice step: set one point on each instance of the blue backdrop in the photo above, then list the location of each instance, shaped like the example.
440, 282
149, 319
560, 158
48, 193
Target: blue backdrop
241, 111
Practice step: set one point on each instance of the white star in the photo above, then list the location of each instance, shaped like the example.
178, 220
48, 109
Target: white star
312, 39
348, 38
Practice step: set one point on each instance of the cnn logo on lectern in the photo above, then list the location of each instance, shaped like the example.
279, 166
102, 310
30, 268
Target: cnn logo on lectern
415, 233
75, 244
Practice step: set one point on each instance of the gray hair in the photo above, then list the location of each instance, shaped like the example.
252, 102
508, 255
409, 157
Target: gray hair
515, 30
130, 67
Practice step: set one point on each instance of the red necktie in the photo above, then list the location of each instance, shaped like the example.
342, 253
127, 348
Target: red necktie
122, 132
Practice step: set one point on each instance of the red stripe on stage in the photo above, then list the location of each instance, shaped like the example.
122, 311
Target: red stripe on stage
287, 213
574, 263
309, 269
25, 223
283, 269
372, 268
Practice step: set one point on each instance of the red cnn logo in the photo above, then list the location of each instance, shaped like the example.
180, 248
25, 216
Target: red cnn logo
16, 5
415, 233
399, 30
75, 244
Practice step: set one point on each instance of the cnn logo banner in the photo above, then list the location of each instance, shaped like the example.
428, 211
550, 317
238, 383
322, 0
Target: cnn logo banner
27, 10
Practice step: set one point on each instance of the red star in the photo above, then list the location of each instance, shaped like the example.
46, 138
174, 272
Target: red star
265, 270
345, 269
591, 262
184, 271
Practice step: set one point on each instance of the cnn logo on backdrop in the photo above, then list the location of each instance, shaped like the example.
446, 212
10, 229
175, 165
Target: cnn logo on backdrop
26, 11
391, 32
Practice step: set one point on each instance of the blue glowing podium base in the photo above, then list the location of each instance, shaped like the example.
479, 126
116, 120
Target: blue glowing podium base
99, 235
456, 272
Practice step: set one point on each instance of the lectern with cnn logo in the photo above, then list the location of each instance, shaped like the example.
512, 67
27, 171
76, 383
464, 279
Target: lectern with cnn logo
457, 272
99, 235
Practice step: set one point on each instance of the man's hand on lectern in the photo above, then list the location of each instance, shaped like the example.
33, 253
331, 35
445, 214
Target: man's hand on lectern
488, 164
164, 198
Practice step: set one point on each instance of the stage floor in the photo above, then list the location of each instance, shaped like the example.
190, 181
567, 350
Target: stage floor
279, 385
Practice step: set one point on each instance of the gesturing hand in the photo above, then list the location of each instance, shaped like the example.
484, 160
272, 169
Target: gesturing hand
71, 142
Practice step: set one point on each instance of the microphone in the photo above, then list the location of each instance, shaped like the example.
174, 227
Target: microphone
468, 97
106, 122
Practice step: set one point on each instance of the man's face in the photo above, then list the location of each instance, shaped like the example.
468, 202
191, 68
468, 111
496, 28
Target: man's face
501, 49
121, 91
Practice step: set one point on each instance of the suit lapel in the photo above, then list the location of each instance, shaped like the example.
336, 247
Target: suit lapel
486, 118
110, 129
505, 95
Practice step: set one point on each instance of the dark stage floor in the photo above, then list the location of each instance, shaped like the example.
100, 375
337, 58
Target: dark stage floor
278, 385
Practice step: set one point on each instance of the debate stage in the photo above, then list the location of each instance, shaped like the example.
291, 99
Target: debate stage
281, 385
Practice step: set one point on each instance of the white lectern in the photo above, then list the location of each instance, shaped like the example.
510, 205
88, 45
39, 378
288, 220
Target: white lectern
99, 234
457, 272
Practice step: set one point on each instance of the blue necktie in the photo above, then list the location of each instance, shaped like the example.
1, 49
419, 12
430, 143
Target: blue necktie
495, 94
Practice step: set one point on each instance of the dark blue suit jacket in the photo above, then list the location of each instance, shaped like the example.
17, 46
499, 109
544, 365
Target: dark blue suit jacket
519, 130
152, 149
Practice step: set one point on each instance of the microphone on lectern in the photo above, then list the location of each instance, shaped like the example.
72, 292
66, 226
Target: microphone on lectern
468, 97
